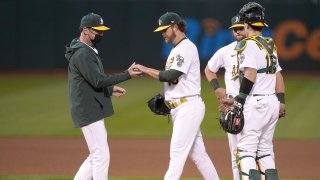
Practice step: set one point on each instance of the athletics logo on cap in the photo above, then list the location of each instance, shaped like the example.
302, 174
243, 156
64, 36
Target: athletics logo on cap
93, 21
236, 22
167, 20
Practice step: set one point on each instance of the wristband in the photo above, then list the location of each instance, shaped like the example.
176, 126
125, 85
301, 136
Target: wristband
281, 97
215, 84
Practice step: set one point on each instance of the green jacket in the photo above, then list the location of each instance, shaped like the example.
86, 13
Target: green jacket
89, 87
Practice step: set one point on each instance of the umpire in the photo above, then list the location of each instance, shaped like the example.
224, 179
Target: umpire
89, 94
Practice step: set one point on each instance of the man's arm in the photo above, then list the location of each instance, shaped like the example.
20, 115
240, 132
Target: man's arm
213, 80
87, 64
163, 76
246, 85
280, 91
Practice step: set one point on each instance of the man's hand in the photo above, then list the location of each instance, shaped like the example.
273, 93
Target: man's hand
282, 110
220, 93
223, 107
228, 102
118, 91
142, 68
134, 70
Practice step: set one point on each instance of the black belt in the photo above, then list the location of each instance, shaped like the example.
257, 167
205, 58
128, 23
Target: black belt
262, 94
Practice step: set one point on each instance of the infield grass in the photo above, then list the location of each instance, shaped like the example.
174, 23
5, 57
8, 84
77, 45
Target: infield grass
39, 106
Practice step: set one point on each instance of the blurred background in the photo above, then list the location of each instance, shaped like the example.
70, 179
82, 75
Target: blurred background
34, 32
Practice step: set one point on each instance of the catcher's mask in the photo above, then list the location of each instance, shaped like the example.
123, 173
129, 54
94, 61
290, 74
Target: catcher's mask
253, 14
233, 122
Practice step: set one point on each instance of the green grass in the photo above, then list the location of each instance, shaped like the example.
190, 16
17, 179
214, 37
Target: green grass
38, 106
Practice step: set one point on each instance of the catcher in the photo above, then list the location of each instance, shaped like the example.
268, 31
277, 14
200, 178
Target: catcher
260, 79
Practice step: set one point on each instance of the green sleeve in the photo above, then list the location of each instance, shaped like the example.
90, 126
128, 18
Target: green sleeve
169, 75
108, 91
91, 69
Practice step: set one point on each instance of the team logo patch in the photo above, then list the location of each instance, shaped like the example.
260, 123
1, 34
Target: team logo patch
180, 60
237, 19
169, 63
241, 58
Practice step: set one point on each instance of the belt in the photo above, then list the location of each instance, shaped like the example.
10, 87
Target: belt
262, 94
178, 102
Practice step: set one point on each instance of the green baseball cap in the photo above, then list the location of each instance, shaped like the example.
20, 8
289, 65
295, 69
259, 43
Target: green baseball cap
167, 20
236, 21
93, 21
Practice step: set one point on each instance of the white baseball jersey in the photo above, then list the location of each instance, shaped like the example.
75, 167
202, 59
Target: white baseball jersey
251, 57
184, 58
226, 58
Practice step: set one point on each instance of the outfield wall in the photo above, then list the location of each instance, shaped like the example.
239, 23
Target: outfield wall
34, 32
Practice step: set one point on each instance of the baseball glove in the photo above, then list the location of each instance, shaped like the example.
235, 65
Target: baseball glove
232, 121
158, 106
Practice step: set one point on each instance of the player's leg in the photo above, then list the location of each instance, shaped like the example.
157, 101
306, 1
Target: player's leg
248, 140
247, 165
96, 138
232, 139
265, 154
186, 119
85, 170
202, 160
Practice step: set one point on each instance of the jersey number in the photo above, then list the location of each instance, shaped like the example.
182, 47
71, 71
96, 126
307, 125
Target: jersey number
271, 64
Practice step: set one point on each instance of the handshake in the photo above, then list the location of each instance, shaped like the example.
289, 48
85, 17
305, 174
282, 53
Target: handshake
136, 70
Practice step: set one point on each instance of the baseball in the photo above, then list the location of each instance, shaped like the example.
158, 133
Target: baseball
135, 69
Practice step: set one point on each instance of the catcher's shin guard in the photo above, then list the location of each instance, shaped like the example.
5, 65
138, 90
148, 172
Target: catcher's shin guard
254, 174
271, 174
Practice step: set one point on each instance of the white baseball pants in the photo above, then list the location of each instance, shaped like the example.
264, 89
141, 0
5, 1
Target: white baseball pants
187, 140
232, 139
261, 115
96, 165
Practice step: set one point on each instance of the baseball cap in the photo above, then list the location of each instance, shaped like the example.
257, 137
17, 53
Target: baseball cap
93, 21
236, 21
167, 20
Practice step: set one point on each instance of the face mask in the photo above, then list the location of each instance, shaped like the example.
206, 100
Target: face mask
97, 39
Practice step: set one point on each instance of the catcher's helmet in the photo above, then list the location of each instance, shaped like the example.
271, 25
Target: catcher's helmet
253, 14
